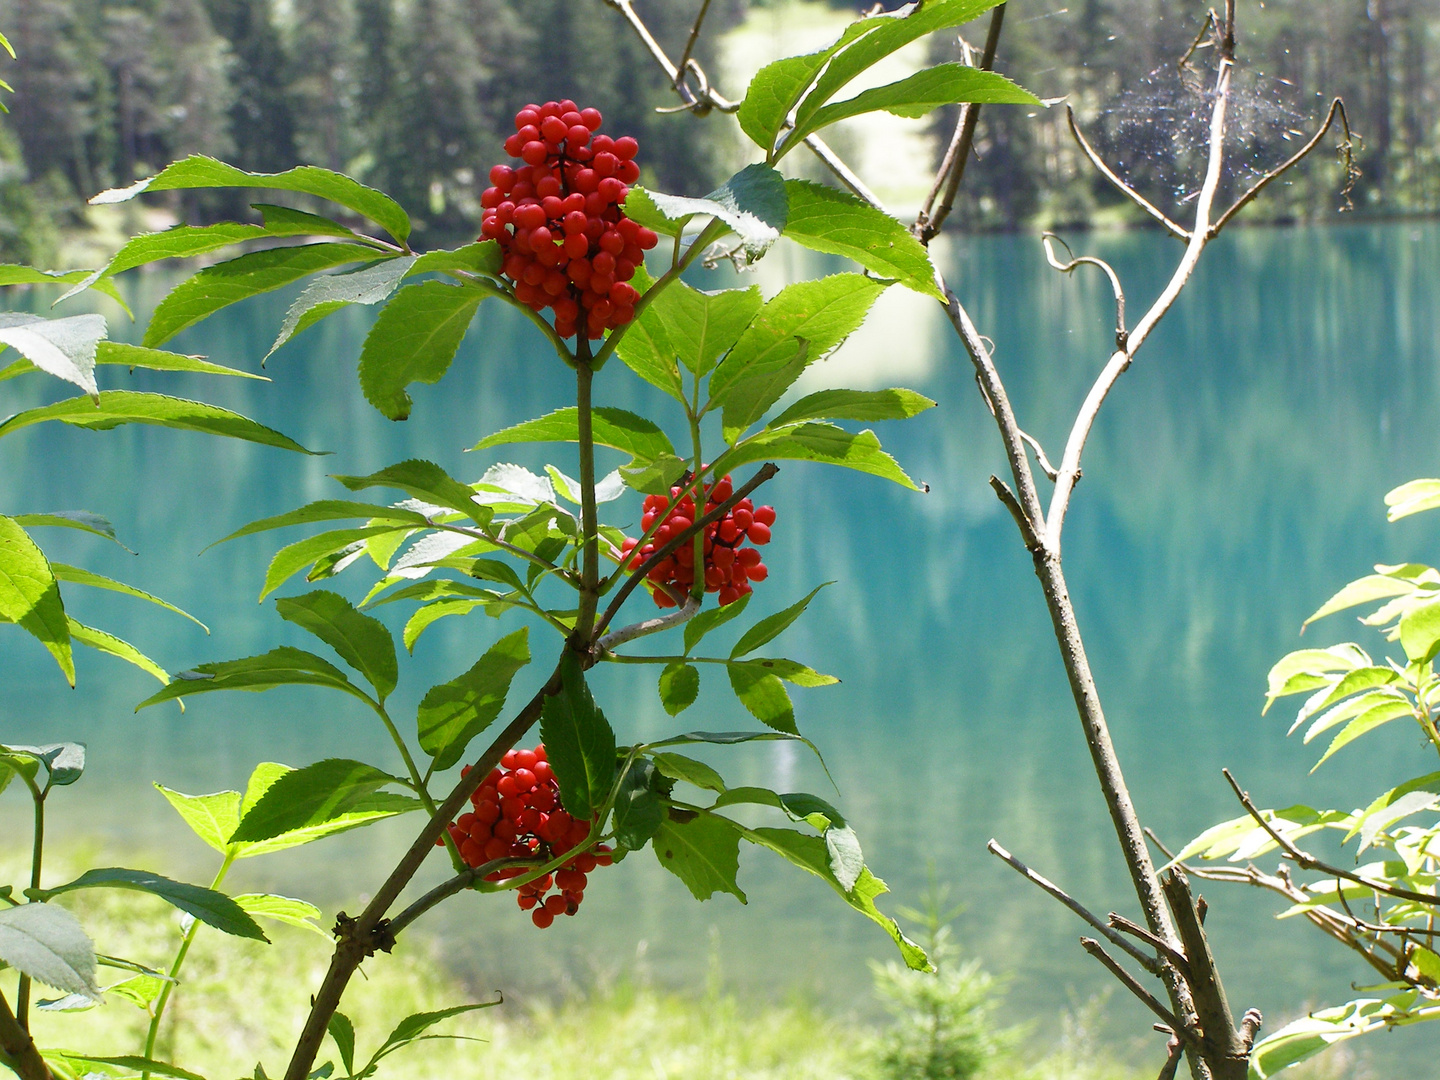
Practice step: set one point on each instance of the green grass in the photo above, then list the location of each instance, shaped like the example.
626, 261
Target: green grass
242, 1002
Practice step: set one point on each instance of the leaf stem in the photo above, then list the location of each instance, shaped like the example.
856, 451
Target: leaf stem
174, 973
711, 232
589, 517
417, 781
37, 857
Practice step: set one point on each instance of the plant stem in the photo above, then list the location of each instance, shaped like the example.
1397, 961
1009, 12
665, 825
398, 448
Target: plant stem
697, 588
18, 1048
589, 518
37, 857
164, 999
416, 780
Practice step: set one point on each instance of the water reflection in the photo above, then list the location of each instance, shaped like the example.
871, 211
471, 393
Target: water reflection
1233, 482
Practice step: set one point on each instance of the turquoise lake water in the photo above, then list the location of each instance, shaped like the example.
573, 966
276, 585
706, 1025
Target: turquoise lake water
1233, 482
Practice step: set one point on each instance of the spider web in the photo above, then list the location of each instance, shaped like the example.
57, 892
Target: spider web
1157, 132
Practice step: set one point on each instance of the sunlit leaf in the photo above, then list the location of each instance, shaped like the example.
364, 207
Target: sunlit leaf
210, 907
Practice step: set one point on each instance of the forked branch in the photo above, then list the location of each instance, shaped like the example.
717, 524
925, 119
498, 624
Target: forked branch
1306, 861
952, 167
1125, 189
1336, 114
704, 97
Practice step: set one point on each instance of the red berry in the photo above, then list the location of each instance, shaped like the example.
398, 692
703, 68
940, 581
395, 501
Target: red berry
542, 917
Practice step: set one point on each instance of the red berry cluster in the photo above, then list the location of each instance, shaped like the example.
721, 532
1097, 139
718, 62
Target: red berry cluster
729, 568
518, 815
568, 246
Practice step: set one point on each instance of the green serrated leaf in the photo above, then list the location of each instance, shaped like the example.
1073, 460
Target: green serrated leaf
30, 597
711, 619
414, 340
579, 743
313, 795
703, 326
226, 283
117, 647
330, 510
47, 943
638, 812
618, 429
93, 524
837, 223
210, 907
136, 356
118, 407
897, 30
778, 87
198, 171
212, 818
923, 92
772, 626
453, 713
283, 909
1412, 498
364, 811
752, 203
764, 695
329, 294
88, 1066
362, 641
78, 576
703, 852
825, 444
424, 480
680, 767
283, 666
801, 325
64, 347
645, 348
342, 1031
679, 686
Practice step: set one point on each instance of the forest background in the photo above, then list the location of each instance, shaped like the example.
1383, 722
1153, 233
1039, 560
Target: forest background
108, 91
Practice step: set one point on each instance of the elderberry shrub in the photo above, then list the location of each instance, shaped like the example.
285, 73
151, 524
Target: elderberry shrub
517, 814
567, 243
729, 568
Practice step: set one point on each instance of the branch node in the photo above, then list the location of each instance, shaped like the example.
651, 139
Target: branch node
1028, 533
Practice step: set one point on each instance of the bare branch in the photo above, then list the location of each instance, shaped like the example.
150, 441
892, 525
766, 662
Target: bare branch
694, 35
1306, 861
1211, 1005
18, 1047
705, 97
688, 611
1121, 359
1175, 1050
1130, 983
1337, 111
1040, 458
993, 391
1023, 523
1049, 239
1149, 963
952, 168
1114, 178
1174, 955
1250, 1027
